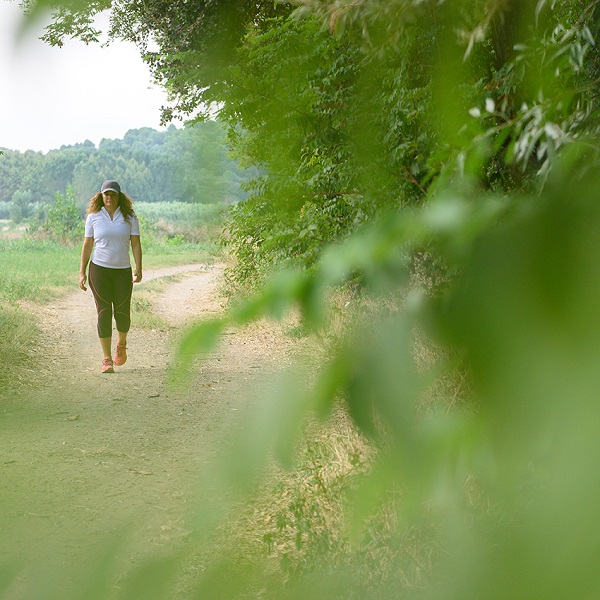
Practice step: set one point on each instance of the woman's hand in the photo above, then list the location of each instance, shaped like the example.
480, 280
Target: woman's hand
86, 252
136, 248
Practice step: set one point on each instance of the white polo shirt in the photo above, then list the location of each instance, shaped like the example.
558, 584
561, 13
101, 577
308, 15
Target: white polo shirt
111, 238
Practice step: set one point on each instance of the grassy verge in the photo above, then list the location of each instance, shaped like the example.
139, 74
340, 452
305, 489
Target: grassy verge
17, 333
35, 270
298, 529
168, 254
142, 310
41, 270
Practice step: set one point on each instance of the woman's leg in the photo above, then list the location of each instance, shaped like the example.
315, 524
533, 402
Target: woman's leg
106, 344
102, 288
122, 309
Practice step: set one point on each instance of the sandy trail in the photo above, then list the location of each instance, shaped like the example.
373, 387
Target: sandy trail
88, 457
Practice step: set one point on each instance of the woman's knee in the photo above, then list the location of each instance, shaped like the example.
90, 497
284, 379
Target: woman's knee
123, 321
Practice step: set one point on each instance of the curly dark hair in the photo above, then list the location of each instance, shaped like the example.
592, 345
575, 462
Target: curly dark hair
125, 204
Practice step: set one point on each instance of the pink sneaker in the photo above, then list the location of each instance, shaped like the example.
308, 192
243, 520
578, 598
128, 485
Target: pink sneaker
107, 366
120, 355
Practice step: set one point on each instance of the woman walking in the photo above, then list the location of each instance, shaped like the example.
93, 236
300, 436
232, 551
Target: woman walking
111, 227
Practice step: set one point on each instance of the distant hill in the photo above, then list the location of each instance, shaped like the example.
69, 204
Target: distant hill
185, 165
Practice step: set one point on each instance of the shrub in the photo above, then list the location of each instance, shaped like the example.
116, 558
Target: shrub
63, 222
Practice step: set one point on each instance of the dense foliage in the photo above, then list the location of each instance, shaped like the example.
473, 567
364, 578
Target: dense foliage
176, 165
395, 134
328, 100
377, 118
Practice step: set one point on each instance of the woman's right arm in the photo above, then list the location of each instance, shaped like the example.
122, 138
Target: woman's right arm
86, 253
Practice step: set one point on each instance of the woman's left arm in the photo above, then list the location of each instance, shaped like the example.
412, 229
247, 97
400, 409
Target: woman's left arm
136, 248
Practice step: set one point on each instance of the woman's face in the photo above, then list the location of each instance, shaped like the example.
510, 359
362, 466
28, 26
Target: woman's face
111, 200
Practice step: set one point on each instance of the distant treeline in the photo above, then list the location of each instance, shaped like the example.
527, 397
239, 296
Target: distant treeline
176, 165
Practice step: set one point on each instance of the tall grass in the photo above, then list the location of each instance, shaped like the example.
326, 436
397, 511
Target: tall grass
180, 224
33, 271
181, 212
36, 270
17, 333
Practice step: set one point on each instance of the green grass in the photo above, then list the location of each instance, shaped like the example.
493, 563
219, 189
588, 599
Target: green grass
17, 333
41, 270
36, 270
168, 255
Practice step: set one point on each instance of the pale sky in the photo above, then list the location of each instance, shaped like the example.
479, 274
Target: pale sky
51, 97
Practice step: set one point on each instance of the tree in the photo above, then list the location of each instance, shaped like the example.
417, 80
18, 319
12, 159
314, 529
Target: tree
196, 40
63, 222
21, 205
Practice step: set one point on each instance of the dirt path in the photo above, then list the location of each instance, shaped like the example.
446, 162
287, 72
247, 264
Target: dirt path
87, 457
